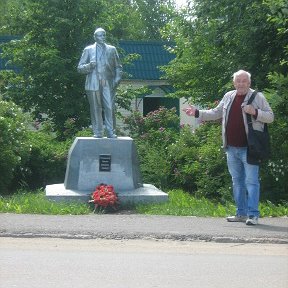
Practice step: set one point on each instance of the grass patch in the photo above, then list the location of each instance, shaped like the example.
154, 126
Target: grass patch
180, 204
24, 202
183, 204
268, 209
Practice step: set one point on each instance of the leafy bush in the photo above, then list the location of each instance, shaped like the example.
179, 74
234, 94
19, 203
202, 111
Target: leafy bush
154, 164
274, 173
199, 163
13, 142
194, 160
158, 120
171, 157
46, 163
184, 164
153, 134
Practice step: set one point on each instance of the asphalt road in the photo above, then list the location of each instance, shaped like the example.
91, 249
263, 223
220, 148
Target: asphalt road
134, 250
135, 226
69, 263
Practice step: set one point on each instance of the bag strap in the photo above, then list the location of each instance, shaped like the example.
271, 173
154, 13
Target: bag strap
252, 97
250, 100
249, 118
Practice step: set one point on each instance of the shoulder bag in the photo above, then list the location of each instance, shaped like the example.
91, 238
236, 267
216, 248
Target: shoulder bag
258, 141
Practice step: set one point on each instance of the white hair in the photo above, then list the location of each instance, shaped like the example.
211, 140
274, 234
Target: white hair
241, 72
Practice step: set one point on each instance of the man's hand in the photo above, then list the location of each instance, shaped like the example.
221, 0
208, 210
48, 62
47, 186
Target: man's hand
249, 109
190, 111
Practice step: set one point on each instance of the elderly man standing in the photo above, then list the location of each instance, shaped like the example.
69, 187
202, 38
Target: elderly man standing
100, 62
232, 109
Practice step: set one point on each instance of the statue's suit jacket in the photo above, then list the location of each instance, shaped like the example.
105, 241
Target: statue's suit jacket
113, 67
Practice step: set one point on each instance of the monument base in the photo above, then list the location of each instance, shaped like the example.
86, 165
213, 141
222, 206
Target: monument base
146, 194
92, 161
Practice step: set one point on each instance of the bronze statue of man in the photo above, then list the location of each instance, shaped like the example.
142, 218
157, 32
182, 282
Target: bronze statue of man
100, 62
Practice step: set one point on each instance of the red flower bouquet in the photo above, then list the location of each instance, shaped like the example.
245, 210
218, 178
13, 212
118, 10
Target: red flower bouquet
104, 196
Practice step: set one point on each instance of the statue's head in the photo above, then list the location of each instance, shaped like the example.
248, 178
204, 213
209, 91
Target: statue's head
100, 35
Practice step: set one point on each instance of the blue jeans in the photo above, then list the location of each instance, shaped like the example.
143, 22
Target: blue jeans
245, 179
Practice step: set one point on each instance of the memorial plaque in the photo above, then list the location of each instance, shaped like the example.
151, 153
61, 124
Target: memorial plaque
105, 163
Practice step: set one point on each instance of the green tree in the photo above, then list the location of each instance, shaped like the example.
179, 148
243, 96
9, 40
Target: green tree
3, 7
277, 170
154, 14
52, 35
216, 38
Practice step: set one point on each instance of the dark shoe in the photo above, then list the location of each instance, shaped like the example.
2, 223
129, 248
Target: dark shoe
252, 220
112, 136
237, 218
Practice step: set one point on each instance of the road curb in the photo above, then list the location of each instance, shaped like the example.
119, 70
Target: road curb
117, 236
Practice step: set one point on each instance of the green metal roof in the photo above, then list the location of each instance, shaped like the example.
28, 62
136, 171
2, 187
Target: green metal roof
152, 55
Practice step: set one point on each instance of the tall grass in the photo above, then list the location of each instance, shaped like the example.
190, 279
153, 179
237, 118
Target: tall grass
36, 203
180, 204
183, 204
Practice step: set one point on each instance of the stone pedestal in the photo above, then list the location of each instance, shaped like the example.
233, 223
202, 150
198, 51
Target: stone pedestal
92, 161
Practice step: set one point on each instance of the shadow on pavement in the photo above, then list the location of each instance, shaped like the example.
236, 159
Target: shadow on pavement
271, 228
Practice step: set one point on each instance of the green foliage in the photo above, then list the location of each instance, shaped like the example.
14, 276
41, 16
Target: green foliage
48, 54
13, 142
70, 129
216, 38
213, 40
170, 158
275, 173
199, 163
154, 164
194, 160
52, 37
154, 14
268, 209
213, 180
184, 160
157, 120
278, 14
153, 134
46, 163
